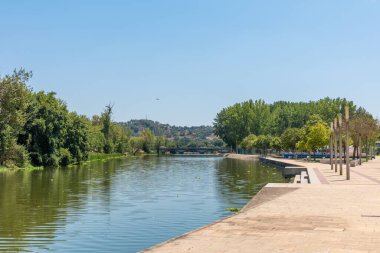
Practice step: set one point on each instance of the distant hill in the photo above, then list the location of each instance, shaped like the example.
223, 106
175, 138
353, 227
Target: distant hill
182, 135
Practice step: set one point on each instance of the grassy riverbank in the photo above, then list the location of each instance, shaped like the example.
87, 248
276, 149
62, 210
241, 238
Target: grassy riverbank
92, 157
29, 167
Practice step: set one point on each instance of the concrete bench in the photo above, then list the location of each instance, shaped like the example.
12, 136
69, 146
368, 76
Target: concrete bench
290, 171
297, 179
304, 177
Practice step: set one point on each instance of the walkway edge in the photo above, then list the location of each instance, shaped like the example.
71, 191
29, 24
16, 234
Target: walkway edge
268, 193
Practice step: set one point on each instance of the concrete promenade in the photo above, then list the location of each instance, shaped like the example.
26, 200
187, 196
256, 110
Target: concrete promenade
334, 216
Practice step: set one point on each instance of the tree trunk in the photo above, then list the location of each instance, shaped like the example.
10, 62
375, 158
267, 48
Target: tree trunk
356, 156
357, 148
344, 155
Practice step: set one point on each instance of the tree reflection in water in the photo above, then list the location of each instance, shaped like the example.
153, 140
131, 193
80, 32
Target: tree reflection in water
243, 178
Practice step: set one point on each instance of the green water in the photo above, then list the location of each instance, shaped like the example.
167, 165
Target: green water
122, 205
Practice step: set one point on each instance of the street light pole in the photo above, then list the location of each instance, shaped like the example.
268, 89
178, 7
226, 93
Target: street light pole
340, 144
360, 149
331, 145
335, 145
347, 118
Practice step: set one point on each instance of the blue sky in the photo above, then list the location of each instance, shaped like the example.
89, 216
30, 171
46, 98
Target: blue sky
195, 56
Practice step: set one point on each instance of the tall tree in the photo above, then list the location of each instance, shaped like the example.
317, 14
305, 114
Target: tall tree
14, 98
76, 140
46, 128
317, 137
106, 130
147, 138
290, 137
158, 143
363, 130
249, 142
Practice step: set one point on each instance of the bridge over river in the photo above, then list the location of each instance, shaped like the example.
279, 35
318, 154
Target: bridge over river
196, 150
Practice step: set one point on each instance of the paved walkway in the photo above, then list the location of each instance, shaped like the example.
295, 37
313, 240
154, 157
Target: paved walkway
368, 173
338, 216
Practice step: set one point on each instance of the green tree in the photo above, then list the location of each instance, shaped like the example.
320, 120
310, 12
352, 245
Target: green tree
236, 122
106, 130
46, 128
96, 137
64, 157
302, 146
120, 137
364, 130
318, 137
249, 142
135, 144
232, 125
263, 143
147, 138
158, 143
259, 113
276, 143
14, 99
76, 139
315, 136
290, 137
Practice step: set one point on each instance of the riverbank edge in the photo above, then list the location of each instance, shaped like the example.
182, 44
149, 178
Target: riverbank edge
106, 157
289, 168
269, 192
29, 168
85, 162
242, 157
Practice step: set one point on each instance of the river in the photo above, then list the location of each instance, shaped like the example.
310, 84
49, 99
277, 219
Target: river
122, 205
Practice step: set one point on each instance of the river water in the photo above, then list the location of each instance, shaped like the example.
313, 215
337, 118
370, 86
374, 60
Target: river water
122, 205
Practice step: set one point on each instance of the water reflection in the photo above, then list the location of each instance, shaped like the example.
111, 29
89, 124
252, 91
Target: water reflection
121, 205
239, 180
34, 204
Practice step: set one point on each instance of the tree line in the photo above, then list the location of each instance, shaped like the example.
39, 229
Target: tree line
291, 126
178, 136
37, 128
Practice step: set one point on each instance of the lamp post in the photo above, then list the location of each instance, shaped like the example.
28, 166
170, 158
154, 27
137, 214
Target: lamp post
360, 149
336, 144
340, 144
331, 144
347, 118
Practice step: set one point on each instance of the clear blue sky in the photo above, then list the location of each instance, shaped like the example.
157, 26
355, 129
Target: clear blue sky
196, 56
